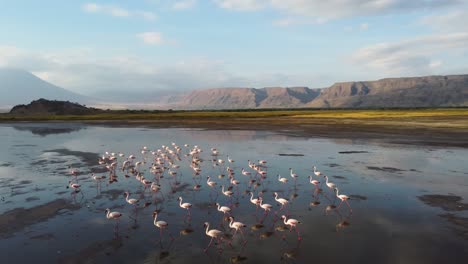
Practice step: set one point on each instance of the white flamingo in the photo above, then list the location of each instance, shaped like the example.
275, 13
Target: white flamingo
227, 192
293, 175
282, 201
255, 201
210, 182
292, 223
330, 185
131, 201
160, 224
266, 207
343, 198
213, 233
237, 226
246, 173
224, 209
114, 216
186, 206
282, 179
316, 172
314, 182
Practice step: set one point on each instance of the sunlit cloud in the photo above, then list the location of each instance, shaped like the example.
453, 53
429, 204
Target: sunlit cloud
117, 11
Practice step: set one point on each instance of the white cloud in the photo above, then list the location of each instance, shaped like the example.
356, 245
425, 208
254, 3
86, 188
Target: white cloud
334, 9
364, 26
118, 11
85, 71
184, 4
449, 22
242, 5
412, 56
153, 38
91, 7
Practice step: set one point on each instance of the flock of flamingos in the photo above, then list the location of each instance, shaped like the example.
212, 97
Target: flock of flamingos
166, 161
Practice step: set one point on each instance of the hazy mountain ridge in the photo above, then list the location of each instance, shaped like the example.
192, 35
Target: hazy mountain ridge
19, 87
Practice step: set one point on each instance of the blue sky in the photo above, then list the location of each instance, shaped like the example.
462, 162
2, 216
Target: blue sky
151, 45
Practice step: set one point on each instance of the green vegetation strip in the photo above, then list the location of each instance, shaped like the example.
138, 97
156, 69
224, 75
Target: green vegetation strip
443, 117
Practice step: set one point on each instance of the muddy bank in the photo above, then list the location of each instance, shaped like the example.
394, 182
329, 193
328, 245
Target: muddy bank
89, 158
404, 134
88, 254
446, 202
17, 219
460, 224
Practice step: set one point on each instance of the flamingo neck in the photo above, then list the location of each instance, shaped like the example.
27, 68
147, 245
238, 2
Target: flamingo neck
337, 191
108, 214
326, 177
180, 203
155, 219
284, 221
207, 227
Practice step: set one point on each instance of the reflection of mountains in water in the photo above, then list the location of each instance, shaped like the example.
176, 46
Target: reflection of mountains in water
235, 135
48, 128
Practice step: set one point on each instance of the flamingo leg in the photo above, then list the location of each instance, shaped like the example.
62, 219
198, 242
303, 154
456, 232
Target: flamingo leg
298, 234
207, 247
348, 206
339, 205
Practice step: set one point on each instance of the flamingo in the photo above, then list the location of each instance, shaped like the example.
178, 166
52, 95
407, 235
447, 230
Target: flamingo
230, 160
210, 182
115, 216
227, 192
213, 233
292, 223
266, 207
161, 225
74, 186
131, 201
316, 172
245, 173
293, 175
343, 198
255, 201
282, 201
224, 209
185, 205
330, 185
237, 226
314, 182
283, 180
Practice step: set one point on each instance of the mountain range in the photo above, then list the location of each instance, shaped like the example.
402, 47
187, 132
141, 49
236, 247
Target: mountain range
20, 87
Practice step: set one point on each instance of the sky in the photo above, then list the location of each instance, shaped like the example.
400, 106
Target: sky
91, 47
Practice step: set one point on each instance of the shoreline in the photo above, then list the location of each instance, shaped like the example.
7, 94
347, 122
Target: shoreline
382, 131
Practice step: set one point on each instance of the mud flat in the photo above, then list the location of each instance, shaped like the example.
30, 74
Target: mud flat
17, 219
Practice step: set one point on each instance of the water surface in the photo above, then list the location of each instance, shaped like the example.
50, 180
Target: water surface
396, 217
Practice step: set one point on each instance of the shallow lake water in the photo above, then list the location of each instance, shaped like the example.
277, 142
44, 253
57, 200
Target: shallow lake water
408, 200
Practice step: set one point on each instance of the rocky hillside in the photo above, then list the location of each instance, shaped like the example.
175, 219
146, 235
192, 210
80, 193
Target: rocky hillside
430, 91
232, 98
48, 107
